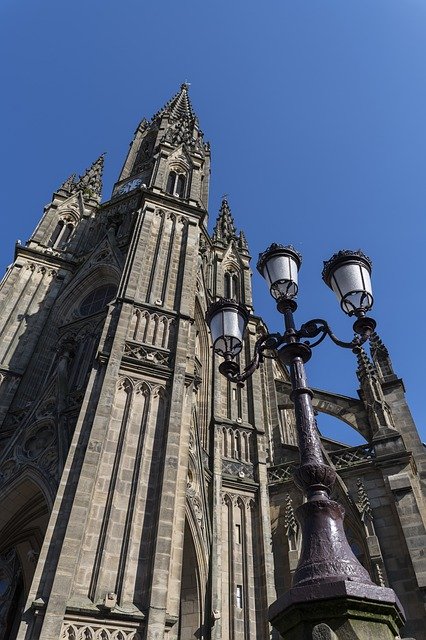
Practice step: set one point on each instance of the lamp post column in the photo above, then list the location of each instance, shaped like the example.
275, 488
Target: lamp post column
333, 596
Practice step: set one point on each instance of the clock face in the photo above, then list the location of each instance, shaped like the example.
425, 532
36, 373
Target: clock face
128, 186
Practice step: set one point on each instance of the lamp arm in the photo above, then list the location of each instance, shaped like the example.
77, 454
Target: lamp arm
363, 328
268, 342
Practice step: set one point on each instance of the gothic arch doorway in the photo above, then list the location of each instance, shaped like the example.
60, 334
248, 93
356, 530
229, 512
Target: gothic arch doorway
190, 618
23, 522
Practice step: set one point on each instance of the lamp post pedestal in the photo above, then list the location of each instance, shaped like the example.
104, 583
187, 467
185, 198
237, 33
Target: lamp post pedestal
342, 610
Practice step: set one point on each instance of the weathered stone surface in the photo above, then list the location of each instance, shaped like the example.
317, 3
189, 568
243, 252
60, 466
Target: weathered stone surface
142, 494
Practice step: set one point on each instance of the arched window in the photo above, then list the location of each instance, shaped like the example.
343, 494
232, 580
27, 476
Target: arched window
176, 184
56, 233
171, 182
232, 286
228, 286
65, 235
180, 185
61, 235
97, 299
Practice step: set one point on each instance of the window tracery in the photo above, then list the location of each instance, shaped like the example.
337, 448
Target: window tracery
97, 299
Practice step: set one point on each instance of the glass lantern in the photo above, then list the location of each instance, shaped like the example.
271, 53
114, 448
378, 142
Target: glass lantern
279, 265
227, 321
348, 274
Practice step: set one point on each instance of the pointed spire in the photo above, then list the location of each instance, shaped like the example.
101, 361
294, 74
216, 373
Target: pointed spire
290, 522
90, 183
178, 123
242, 243
378, 412
377, 346
179, 106
224, 230
363, 503
69, 184
365, 368
381, 358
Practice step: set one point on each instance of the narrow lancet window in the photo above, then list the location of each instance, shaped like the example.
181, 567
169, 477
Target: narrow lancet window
171, 183
176, 184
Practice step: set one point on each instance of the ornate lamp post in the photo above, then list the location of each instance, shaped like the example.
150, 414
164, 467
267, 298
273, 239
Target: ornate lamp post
328, 571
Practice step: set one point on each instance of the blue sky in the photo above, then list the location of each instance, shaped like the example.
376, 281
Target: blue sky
315, 110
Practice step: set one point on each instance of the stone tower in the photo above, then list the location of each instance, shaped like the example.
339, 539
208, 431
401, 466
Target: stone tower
143, 496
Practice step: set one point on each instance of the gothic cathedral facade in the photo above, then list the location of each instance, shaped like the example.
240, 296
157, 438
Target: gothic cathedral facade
144, 497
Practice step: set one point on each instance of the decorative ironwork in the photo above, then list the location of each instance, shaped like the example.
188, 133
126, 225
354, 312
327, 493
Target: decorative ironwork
273, 247
344, 253
326, 556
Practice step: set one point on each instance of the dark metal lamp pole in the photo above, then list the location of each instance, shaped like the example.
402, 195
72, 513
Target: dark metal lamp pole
326, 559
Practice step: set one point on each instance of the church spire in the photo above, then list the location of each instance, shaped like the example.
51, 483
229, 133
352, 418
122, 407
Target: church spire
168, 154
242, 243
90, 183
69, 185
381, 358
179, 107
224, 230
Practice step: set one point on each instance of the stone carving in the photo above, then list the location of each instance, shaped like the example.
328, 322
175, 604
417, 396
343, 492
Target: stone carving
38, 441
323, 632
79, 631
235, 500
236, 444
351, 456
37, 446
290, 522
281, 473
363, 503
152, 328
145, 354
379, 573
240, 469
10, 571
224, 230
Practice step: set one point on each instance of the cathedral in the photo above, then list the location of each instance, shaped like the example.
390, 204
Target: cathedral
144, 496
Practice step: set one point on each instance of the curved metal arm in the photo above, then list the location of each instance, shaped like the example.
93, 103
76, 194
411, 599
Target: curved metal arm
230, 369
363, 328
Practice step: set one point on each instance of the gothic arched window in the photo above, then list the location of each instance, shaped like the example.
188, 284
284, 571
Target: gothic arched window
65, 235
97, 299
180, 185
171, 182
232, 286
176, 184
56, 233
61, 235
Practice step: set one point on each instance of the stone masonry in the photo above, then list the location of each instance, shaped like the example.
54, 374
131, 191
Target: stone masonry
143, 496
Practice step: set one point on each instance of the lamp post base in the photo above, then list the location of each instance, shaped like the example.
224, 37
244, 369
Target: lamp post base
342, 610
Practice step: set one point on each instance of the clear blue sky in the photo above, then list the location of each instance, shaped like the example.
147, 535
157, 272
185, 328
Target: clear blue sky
315, 110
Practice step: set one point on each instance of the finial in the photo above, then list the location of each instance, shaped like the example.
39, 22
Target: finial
90, 183
224, 230
365, 366
69, 184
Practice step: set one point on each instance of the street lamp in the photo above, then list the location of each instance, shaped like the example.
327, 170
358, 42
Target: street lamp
326, 557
